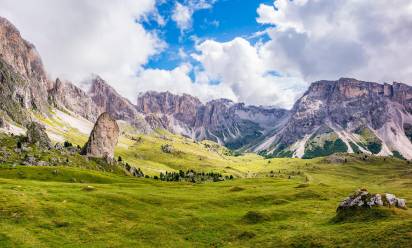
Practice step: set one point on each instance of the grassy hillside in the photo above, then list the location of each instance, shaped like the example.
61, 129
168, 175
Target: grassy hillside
272, 202
290, 205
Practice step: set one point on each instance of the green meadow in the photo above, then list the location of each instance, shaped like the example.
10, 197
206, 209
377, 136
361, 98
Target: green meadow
270, 203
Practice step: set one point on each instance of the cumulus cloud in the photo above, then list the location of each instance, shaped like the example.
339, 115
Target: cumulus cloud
240, 66
233, 70
178, 81
183, 13
328, 39
77, 38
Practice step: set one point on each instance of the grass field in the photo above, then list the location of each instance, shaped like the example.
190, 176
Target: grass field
279, 202
45, 207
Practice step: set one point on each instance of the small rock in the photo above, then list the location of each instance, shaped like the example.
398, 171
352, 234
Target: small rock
42, 163
36, 134
401, 203
89, 188
58, 146
167, 148
30, 160
391, 199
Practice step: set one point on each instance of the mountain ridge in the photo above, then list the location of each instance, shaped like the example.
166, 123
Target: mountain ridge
346, 115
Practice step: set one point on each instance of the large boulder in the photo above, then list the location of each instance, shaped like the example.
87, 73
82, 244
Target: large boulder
36, 134
363, 199
103, 138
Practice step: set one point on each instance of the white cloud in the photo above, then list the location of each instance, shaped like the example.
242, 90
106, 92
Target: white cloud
178, 81
328, 39
240, 66
183, 13
233, 70
77, 38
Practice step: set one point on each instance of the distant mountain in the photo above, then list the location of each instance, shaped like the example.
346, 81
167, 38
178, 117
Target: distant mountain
232, 124
346, 115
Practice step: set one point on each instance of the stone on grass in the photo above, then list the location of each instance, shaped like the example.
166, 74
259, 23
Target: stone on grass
36, 134
363, 199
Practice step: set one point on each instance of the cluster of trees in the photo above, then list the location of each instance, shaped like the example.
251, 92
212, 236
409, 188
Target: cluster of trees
192, 176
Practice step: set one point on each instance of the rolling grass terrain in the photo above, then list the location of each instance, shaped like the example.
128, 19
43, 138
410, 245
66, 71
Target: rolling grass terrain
290, 204
278, 202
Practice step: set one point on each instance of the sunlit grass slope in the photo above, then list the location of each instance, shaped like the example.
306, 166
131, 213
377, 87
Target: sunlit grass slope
40, 207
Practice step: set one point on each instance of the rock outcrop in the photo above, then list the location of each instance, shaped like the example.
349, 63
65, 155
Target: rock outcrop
169, 111
232, 124
108, 100
103, 138
363, 199
36, 134
2, 122
346, 115
65, 95
22, 70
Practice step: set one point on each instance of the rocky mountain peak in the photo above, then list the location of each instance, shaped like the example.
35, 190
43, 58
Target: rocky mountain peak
66, 95
108, 100
347, 115
167, 103
19, 53
24, 80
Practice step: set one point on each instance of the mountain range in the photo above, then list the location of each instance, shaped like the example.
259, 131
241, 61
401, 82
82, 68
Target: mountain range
346, 115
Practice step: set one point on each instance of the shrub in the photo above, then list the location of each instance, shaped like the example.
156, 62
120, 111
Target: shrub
67, 144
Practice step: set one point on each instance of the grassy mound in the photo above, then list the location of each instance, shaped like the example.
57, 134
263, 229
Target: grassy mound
363, 214
254, 217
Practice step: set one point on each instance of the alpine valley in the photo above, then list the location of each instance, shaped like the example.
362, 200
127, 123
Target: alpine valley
86, 167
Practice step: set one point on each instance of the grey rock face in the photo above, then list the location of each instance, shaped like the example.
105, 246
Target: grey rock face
223, 121
235, 124
107, 99
346, 106
36, 134
25, 63
66, 95
168, 110
103, 138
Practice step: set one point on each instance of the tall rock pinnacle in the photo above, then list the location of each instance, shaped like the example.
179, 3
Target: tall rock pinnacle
103, 138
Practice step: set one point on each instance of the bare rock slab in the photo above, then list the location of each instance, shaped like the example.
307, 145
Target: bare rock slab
103, 138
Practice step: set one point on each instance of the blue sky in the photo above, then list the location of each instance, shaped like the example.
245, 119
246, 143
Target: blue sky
224, 21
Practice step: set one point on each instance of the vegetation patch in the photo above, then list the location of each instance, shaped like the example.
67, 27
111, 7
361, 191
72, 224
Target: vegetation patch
246, 235
192, 176
354, 147
363, 215
396, 154
408, 131
282, 151
255, 217
308, 194
236, 189
369, 140
324, 143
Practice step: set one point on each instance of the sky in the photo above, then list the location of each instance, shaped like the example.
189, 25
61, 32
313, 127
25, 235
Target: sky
260, 52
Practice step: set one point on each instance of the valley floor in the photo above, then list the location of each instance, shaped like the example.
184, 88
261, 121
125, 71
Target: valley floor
289, 205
